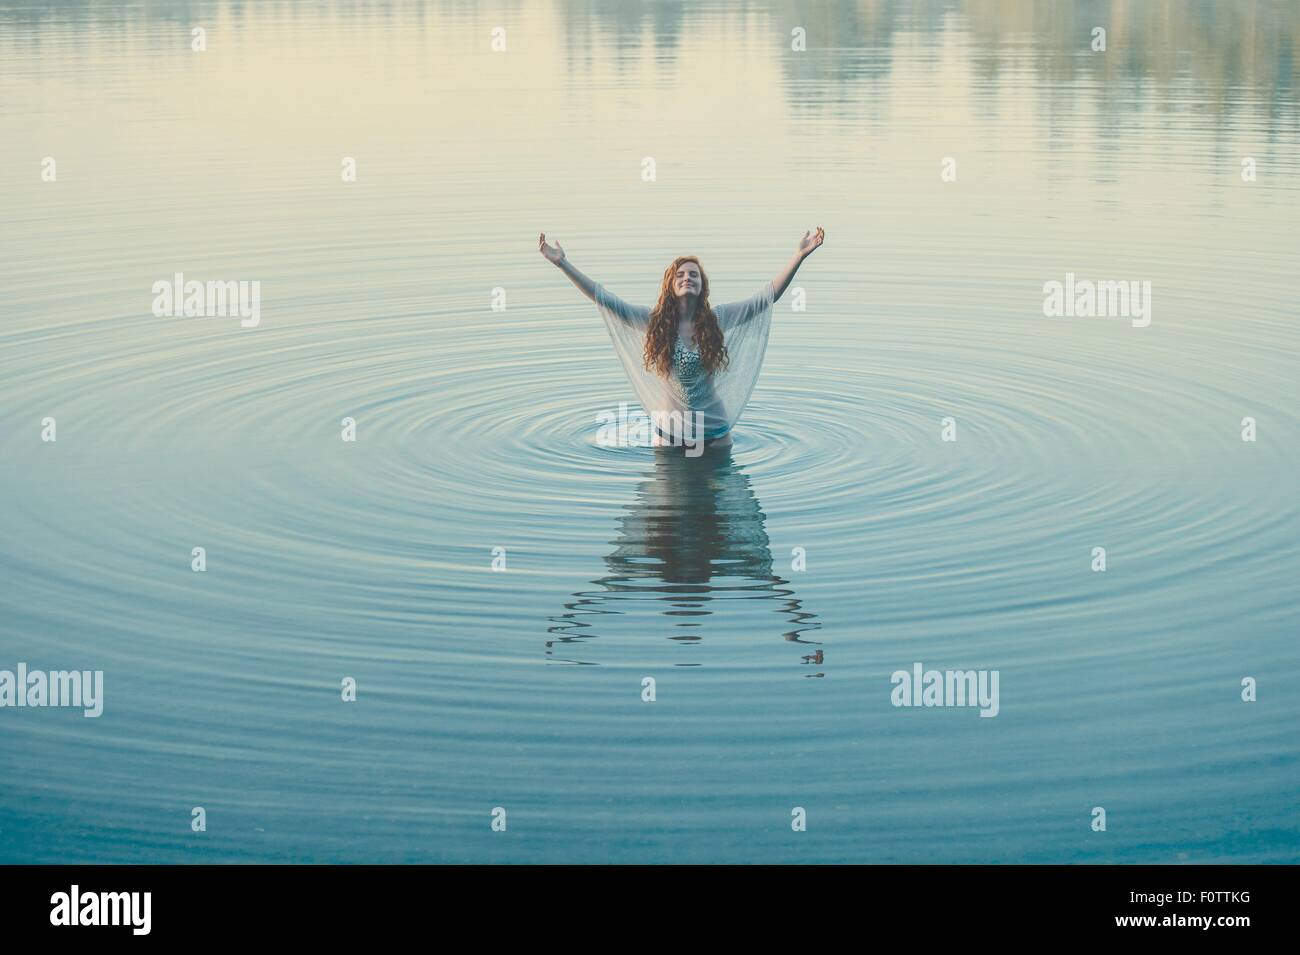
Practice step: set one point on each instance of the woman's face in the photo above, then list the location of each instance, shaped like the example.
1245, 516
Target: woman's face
687, 280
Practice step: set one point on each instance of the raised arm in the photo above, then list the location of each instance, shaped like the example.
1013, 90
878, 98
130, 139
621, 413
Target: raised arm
734, 314
809, 244
603, 298
555, 255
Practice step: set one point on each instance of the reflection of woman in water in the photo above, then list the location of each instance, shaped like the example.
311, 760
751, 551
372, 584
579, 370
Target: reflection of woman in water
693, 365
691, 546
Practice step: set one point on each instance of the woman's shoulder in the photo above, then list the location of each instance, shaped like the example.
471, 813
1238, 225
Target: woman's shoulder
732, 313
610, 302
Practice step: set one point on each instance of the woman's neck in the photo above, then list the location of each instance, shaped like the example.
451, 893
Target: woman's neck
686, 308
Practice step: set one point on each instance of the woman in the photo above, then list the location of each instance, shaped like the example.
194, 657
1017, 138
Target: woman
692, 365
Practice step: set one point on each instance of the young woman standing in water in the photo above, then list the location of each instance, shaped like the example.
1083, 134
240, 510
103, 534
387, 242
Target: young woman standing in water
692, 365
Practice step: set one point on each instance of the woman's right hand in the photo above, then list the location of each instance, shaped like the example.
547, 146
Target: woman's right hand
553, 253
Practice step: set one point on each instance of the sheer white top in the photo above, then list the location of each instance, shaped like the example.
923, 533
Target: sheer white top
720, 397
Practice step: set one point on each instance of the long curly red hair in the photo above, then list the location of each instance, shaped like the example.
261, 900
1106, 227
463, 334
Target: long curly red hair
661, 335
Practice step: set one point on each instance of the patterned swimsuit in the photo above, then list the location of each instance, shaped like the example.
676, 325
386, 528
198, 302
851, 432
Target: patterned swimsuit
693, 378
696, 387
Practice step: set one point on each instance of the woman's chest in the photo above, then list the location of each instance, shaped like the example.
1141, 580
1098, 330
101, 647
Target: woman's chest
686, 361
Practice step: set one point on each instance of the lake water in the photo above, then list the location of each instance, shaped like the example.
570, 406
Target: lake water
476, 431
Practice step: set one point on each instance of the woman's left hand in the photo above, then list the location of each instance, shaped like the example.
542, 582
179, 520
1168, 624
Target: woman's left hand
810, 242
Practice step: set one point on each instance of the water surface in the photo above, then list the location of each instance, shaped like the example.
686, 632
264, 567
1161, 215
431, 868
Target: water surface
477, 432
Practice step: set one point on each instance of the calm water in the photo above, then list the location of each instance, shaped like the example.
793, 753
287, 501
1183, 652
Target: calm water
477, 430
